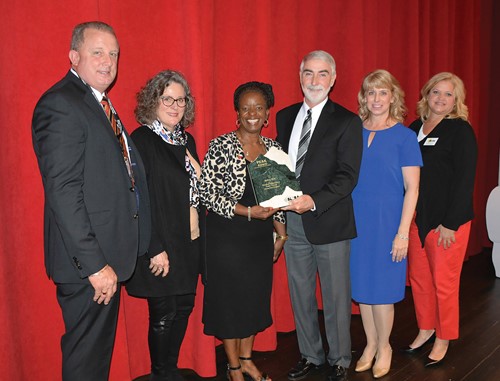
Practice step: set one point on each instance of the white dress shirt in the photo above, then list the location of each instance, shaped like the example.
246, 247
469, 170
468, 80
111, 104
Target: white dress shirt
293, 145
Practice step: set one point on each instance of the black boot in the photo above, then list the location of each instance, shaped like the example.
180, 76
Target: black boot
161, 319
185, 304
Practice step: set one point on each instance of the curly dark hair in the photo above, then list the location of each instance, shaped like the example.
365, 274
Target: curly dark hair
264, 88
149, 97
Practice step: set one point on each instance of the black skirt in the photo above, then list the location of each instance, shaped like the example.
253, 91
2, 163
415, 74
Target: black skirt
239, 274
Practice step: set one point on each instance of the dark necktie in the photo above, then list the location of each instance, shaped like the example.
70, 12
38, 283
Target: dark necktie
119, 135
305, 137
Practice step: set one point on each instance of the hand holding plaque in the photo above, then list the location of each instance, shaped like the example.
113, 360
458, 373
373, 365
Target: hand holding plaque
273, 180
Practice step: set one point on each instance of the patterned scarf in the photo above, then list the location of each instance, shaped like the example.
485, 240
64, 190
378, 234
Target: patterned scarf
179, 138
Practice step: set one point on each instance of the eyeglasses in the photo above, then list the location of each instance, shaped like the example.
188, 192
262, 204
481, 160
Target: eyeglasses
169, 101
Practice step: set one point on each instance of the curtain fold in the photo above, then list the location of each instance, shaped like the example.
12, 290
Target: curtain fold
218, 45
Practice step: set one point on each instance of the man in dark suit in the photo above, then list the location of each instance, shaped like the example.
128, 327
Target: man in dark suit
324, 141
97, 218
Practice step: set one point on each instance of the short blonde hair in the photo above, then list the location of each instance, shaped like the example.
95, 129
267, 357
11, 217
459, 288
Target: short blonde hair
460, 110
382, 79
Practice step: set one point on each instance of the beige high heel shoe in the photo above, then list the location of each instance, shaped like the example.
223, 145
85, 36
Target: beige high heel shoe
362, 366
381, 372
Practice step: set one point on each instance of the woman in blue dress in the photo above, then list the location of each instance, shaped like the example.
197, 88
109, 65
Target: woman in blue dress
384, 204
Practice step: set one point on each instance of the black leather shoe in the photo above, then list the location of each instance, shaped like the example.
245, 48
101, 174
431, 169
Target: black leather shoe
409, 350
338, 373
302, 369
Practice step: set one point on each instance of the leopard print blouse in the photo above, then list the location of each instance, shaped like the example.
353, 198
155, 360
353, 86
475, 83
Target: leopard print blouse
223, 175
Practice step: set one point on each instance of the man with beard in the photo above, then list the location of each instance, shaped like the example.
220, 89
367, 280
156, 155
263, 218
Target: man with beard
324, 141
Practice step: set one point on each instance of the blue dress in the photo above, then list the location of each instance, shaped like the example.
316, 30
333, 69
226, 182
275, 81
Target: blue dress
378, 203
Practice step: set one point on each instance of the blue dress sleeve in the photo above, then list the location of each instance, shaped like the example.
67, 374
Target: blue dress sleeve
410, 155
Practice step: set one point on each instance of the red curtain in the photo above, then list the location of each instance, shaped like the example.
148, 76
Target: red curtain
218, 45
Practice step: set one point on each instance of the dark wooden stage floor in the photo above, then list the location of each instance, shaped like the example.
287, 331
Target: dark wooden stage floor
473, 357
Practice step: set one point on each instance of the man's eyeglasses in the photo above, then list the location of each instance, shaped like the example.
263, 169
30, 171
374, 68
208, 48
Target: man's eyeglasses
169, 101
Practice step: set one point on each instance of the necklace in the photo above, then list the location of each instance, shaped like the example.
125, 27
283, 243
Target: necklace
246, 152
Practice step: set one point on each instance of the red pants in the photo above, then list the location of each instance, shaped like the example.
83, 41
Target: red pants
435, 280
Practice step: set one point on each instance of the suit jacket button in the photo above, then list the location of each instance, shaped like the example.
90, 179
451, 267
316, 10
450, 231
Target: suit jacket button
136, 215
132, 189
77, 263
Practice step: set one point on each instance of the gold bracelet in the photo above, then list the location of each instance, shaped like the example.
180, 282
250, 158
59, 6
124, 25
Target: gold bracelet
283, 237
401, 236
249, 213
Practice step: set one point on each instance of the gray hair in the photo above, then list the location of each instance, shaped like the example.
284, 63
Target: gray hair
321, 55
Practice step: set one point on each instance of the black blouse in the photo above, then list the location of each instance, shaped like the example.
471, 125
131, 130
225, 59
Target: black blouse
449, 153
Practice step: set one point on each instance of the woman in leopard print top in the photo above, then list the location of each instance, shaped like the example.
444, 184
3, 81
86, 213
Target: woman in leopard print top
240, 247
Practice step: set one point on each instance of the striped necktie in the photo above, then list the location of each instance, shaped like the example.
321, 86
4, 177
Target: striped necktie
119, 135
305, 137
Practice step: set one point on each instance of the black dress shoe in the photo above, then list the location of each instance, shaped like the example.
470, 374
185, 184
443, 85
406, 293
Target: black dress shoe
338, 373
302, 369
409, 350
433, 363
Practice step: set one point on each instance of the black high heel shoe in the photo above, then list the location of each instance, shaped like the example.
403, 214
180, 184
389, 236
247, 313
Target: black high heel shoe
248, 376
409, 350
433, 363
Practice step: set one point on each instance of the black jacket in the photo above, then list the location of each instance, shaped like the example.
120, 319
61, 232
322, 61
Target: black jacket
330, 170
447, 177
168, 183
91, 212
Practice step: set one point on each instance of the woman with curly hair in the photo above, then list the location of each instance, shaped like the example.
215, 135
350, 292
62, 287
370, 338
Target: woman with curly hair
384, 203
240, 248
167, 275
440, 232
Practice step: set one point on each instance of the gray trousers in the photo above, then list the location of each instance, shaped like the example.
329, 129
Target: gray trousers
331, 261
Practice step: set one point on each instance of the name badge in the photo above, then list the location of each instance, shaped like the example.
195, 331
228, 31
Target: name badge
431, 141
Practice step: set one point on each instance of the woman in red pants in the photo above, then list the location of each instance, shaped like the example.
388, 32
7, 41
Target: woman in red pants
440, 231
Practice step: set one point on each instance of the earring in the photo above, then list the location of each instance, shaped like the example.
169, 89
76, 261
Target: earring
266, 123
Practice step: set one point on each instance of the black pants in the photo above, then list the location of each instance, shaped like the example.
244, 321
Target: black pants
89, 335
168, 319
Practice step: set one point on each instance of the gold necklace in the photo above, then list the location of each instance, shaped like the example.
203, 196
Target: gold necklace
244, 144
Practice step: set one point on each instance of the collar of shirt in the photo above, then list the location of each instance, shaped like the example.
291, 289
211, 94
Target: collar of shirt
97, 93
293, 145
315, 112
98, 96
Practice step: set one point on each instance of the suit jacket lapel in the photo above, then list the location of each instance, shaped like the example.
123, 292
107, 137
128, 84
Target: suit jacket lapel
89, 99
289, 122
